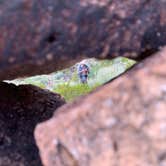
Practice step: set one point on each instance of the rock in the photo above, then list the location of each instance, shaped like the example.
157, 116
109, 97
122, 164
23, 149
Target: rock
21, 108
38, 38
122, 123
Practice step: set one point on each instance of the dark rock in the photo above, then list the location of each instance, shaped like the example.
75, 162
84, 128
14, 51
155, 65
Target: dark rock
43, 37
21, 108
122, 123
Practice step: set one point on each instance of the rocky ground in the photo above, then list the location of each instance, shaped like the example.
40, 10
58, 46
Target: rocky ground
21, 109
122, 123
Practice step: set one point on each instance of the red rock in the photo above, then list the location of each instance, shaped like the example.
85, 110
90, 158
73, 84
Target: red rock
122, 123
38, 38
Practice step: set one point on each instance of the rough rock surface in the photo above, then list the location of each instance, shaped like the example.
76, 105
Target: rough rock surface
121, 124
21, 108
43, 36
